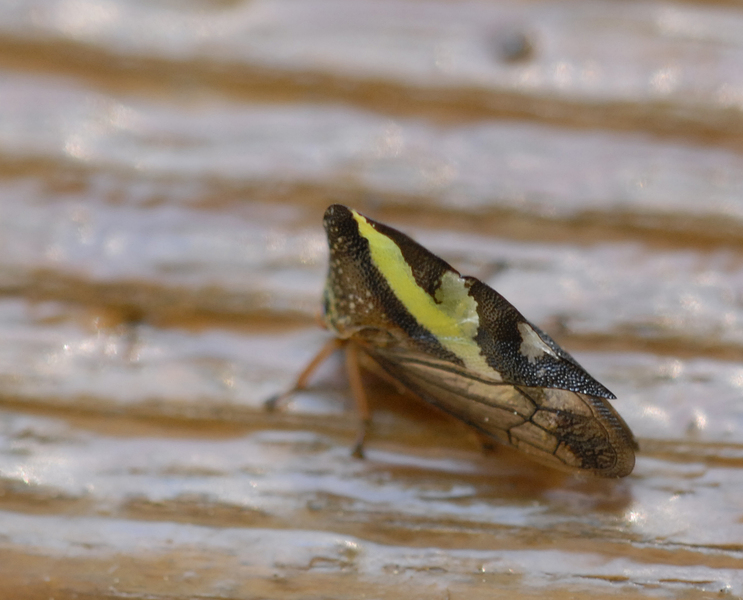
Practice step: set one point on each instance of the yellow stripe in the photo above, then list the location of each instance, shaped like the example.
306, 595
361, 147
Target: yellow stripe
388, 258
454, 321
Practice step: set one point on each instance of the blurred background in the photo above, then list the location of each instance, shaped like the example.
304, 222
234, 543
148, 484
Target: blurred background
164, 167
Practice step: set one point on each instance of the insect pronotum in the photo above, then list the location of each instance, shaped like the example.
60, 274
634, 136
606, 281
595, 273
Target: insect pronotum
461, 346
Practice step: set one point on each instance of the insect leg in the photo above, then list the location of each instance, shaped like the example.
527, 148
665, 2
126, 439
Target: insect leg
359, 395
487, 443
330, 346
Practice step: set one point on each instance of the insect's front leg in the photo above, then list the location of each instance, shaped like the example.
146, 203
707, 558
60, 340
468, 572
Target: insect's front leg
353, 369
301, 383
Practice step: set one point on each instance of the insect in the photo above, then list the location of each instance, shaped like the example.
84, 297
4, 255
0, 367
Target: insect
461, 346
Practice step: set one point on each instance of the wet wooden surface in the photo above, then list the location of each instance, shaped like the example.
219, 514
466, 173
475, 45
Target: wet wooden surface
163, 172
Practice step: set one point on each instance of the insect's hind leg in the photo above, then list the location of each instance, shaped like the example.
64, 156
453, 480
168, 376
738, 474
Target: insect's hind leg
359, 395
301, 383
487, 444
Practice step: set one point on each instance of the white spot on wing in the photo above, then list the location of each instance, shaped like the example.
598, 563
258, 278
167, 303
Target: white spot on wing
532, 346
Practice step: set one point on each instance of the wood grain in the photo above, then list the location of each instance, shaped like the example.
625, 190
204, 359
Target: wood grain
164, 168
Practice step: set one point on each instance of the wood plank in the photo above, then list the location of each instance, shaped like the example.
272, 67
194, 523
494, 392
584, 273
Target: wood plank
163, 172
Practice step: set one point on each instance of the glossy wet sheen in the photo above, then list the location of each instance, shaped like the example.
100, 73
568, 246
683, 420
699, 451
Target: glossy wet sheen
164, 168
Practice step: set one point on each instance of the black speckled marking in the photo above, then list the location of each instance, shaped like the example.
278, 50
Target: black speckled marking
500, 341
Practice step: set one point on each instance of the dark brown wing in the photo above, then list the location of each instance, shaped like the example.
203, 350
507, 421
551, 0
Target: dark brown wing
562, 428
